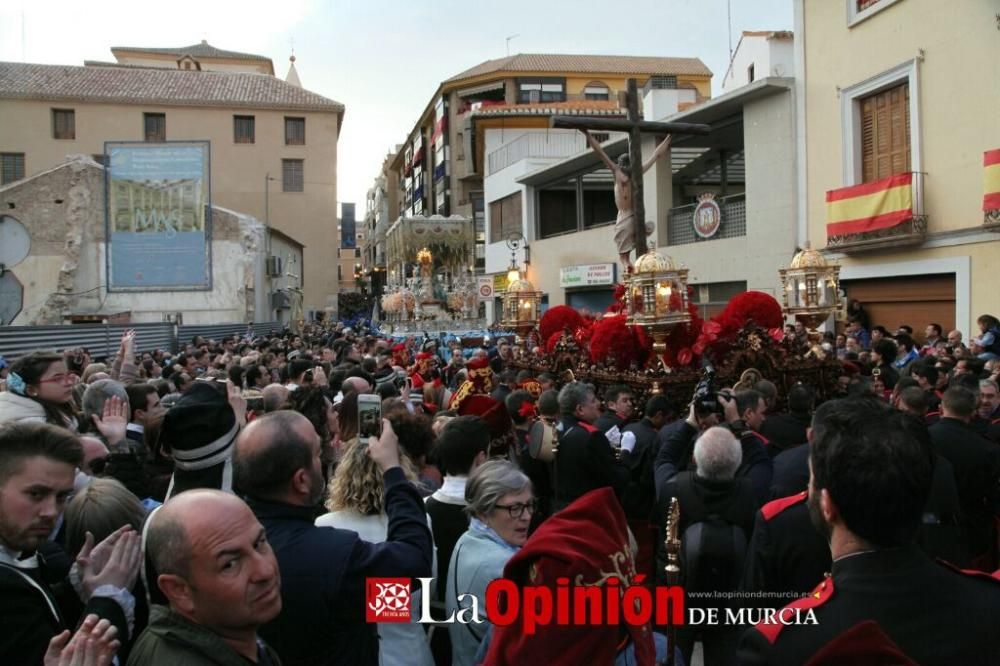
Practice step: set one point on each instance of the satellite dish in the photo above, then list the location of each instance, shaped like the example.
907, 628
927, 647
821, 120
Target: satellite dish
15, 242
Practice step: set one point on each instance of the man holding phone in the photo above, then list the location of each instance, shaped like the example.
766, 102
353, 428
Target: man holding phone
323, 569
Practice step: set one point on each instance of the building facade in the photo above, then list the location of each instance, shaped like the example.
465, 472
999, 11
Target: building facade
273, 144
921, 104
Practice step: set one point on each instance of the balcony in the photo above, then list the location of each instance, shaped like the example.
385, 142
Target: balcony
878, 210
541, 144
680, 221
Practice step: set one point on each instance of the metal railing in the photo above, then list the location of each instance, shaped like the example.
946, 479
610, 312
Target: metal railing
102, 340
912, 231
549, 144
680, 221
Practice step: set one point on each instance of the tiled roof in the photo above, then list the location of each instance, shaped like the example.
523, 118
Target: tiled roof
167, 87
546, 62
203, 50
582, 107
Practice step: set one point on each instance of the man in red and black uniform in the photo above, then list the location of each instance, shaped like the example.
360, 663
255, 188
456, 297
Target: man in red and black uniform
586, 460
618, 402
869, 481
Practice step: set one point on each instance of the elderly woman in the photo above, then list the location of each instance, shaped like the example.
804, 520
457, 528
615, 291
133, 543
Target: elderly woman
357, 503
39, 388
500, 502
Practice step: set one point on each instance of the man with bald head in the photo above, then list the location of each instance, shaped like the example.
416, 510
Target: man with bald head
220, 578
277, 465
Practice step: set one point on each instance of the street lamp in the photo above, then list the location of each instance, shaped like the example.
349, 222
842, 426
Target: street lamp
521, 301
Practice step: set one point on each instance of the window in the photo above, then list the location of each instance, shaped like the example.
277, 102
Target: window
155, 126
295, 131
292, 175
880, 127
750, 73
859, 10
63, 124
557, 210
663, 82
243, 129
11, 167
541, 89
357, 252
712, 298
340, 272
885, 133
505, 217
596, 90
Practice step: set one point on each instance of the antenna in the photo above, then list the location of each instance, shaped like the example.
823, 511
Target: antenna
729, 20
508, 42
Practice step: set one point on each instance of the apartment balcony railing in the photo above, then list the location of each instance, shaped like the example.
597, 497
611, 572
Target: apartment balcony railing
911, 230
680, 221
549, 144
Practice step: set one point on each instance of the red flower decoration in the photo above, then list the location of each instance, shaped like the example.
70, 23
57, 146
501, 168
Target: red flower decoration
559, 318
684, 356
552, 341
777, 334
757, 306
527, 410
613, 342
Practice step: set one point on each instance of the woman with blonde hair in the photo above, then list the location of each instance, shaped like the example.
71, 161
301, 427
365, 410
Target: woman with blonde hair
357, 502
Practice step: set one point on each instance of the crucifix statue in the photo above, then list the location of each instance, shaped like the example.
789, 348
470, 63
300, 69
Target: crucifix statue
630, 225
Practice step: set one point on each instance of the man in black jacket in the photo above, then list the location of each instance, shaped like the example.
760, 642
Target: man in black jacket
37, 467
743, 413
586, 460
975, 463
323, 569
869, 483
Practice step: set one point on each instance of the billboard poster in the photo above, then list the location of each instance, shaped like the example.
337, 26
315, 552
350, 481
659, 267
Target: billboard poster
158, 219
348, 227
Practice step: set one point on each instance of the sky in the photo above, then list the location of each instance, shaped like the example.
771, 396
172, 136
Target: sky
384, 59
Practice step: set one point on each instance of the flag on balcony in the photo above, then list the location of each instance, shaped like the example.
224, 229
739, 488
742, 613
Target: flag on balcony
991, 180
870, 206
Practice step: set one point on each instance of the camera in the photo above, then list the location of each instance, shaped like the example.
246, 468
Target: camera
705, 397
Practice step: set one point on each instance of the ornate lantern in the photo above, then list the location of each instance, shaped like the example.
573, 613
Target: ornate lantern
521, 303
657, 297
810, 289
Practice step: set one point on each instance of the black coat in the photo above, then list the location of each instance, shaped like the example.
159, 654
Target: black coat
640, 495
30, 615
934, 614
787, 555
586, 461
784, 431
975, 461
323, 572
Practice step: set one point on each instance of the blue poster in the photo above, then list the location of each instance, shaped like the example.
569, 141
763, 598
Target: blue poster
159, 235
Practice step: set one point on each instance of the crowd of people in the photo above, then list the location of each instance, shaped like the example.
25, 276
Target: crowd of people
229, 503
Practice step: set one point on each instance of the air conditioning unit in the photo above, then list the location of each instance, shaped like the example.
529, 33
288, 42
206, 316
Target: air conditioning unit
273, 266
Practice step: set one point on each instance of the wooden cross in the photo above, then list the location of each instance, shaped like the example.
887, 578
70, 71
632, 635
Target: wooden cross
635, 126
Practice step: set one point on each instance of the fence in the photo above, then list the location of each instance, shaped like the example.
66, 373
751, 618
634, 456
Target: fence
102, 340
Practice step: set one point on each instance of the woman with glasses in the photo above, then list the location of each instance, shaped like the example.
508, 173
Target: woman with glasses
500, 503
39, 388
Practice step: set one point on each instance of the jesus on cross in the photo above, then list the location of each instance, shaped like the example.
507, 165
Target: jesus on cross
625, 225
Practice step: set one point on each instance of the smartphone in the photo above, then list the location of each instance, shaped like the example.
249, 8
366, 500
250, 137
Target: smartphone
369, 415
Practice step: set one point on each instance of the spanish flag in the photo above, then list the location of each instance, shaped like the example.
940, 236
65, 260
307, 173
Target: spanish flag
869, 206
991, 180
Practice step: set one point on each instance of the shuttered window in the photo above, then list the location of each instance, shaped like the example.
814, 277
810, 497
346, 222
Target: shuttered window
243, 129
885, 133
505, 217
155, 126
63, 124
292, 176
295, 131
11, 167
